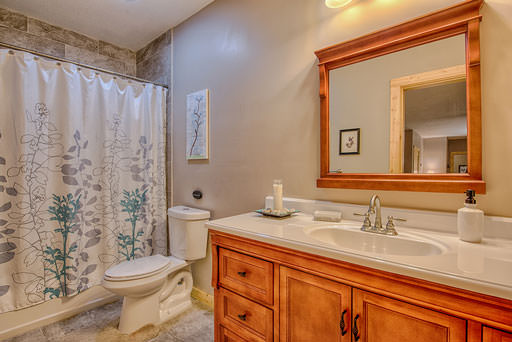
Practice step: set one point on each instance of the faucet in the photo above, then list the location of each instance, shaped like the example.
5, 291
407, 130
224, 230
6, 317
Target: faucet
375, 208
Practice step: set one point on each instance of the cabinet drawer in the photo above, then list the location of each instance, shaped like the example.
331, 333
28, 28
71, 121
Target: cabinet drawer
250, 320
227, 335
248, 276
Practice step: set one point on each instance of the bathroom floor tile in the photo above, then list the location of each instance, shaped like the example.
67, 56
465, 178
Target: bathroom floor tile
194, 325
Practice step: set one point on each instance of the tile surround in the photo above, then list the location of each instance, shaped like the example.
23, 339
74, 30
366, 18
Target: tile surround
156, 45
90, 58
45, 30
13, 19
33, 34
31, 42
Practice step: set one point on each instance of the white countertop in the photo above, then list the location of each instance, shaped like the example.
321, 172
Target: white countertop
485, 267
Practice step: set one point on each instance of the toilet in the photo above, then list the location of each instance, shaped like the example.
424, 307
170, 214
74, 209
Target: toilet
156, 288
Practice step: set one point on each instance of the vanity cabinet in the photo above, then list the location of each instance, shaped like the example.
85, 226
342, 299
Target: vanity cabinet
494, 335
313, 308
265, 292
379, 318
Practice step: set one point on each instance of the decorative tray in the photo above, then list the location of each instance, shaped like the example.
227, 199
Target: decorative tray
275, 213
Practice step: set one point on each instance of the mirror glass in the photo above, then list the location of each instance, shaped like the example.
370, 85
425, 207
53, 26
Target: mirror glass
403, 112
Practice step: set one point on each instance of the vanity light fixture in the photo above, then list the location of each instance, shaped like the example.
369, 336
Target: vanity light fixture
337, 3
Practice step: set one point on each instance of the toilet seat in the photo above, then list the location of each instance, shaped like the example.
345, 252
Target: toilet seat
139, 268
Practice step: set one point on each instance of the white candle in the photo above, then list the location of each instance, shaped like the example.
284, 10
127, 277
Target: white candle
278, 195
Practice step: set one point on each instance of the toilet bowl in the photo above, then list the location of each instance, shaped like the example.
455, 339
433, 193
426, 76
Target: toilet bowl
156, 288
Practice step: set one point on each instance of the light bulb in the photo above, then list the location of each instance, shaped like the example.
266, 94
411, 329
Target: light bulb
337, 3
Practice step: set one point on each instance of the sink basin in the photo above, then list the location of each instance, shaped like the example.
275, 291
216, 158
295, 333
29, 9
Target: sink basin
351, 237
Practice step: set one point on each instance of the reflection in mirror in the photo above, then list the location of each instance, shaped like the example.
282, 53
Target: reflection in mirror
435, 136
403, 112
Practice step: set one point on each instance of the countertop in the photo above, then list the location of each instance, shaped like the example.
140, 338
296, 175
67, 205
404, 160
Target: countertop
484, 267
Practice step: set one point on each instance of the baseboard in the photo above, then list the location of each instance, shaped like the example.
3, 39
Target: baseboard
202, 296
56, 316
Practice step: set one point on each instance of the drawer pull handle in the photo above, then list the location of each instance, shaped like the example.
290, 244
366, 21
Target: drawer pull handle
243, 317
355, 331
242, 274
342, 323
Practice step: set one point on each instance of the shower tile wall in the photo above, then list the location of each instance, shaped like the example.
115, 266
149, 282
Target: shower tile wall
20, 30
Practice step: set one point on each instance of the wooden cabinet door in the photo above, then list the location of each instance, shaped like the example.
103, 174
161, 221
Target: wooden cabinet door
313, 308
493, 335
378, 318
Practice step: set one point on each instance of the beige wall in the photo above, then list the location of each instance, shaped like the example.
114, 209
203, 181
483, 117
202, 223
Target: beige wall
434, 155
360, 98
256, 57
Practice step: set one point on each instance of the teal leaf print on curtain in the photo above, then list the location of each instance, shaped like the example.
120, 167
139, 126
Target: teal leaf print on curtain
64, 212
133, 204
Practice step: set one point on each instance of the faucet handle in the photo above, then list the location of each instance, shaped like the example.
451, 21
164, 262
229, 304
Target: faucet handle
390, 226
367, 224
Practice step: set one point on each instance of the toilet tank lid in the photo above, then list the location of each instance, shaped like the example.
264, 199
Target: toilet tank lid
186, 213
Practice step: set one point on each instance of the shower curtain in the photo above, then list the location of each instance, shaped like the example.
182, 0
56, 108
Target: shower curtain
82, 176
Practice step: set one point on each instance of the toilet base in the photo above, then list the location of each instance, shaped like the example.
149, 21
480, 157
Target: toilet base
171, 300
138, 312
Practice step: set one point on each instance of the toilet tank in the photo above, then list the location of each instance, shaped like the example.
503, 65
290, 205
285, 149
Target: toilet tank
188, 235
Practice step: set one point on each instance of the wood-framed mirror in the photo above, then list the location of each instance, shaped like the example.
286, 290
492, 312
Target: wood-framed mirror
401, 107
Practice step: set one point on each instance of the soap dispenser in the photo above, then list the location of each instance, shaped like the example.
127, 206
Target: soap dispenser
470, 220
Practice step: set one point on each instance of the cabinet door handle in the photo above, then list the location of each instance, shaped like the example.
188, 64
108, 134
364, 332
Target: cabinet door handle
242, 317
342, 323
242, 274
355, 331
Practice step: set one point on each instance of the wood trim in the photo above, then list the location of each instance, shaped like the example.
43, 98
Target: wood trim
277, 298
481, 308
420, 185
203, 297
474, 99
397, 113
474, 331
439, 22
324, 120
215, 265
458, 19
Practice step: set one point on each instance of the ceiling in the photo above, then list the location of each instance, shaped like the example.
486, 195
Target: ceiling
436, 111
127, 23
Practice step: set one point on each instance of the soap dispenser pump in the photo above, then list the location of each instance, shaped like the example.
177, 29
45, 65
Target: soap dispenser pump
470, 220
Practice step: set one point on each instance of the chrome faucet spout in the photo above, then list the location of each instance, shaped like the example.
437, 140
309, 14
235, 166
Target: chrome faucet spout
375, 208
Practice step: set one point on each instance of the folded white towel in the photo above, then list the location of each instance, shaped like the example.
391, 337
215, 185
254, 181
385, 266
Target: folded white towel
329, 216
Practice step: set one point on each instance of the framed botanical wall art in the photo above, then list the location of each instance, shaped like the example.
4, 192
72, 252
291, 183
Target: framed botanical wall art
349, 141
197, 125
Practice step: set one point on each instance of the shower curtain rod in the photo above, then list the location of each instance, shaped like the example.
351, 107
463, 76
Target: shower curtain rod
141, 80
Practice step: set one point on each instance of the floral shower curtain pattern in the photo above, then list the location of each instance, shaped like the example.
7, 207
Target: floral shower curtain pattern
82, 177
